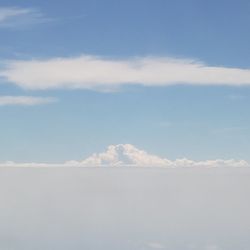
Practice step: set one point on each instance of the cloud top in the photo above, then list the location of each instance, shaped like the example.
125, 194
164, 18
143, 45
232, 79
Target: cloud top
124, 154
104, 74
127, 155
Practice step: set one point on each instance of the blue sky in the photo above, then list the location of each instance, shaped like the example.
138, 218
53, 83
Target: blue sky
198, 121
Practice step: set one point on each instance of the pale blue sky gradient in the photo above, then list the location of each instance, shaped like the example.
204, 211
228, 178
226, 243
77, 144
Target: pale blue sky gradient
178, 121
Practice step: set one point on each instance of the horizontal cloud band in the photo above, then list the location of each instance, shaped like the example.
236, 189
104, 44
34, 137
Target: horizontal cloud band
102, 74
25, 100
127, 155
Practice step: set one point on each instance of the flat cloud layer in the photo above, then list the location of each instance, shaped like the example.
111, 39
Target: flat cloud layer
25, 100
127, 155
102, 74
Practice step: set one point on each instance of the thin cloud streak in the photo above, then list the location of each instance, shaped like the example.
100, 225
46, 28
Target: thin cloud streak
14, 17
10, 12
25, 100
102, 74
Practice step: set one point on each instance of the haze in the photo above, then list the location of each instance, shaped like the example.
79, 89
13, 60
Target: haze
124, 208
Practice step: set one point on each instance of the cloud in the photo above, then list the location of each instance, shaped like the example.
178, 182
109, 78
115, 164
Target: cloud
127, 155
8, 13
25, 100
124, 154
18, 17
236, 97
30, 164
102, 74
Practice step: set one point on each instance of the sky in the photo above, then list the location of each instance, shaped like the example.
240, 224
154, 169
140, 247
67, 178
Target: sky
158, 84
170, 77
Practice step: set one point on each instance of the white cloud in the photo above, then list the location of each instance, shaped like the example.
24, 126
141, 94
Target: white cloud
102, 74
127, 155
17, 17
119, 155
30, 164
25, 100
124, 154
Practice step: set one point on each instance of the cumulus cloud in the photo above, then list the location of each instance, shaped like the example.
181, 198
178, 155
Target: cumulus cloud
25, 100
90, 72
16, 16
127, 155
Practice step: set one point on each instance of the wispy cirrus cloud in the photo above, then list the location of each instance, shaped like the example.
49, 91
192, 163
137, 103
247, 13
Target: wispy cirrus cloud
236, 97
103, 74
7, 13
13, 17
25, 100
